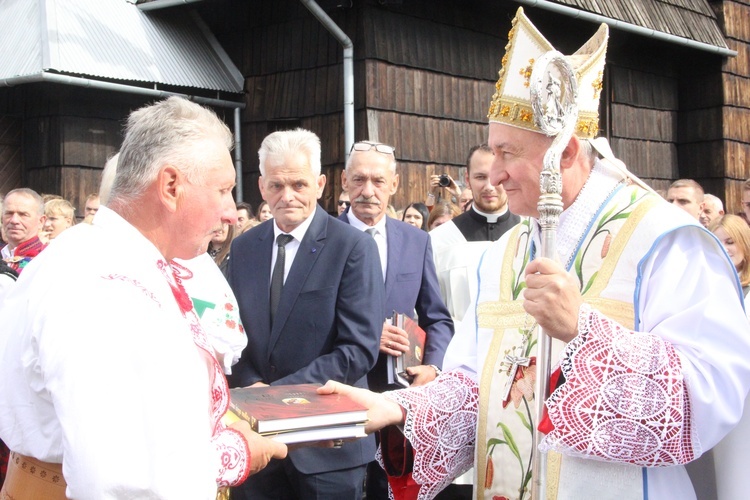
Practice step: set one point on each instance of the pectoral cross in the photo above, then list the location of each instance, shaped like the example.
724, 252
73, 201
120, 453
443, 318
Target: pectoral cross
516, 361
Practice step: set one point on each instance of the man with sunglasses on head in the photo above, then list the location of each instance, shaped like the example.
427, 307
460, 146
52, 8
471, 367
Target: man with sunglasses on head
411, 285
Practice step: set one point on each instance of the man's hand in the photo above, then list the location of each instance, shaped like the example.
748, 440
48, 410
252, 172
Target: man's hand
262, 450
381, 412
393, 340
553, 298
422, 374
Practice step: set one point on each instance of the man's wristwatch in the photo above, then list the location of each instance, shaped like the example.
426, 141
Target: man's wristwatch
438, 371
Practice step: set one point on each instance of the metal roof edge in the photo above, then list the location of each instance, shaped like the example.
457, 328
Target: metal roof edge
45, 76
233, 71
629, 27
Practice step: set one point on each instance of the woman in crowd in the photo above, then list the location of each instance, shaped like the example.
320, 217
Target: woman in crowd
264, 213
441, 213
416, 214
218, 248
734, 234
60, 216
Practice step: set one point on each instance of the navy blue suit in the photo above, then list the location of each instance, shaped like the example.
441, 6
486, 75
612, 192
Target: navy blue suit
411, 285
327, 325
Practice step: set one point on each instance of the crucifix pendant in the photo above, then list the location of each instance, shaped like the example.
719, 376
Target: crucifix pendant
515, 362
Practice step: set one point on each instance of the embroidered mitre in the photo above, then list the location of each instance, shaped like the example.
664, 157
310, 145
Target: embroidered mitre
511, 103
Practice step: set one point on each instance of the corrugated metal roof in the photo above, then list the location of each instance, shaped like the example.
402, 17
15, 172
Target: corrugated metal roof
112, 39
691, 19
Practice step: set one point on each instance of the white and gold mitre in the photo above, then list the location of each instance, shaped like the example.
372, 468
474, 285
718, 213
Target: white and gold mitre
511, 104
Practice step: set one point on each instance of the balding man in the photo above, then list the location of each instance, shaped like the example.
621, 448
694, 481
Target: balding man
713, 208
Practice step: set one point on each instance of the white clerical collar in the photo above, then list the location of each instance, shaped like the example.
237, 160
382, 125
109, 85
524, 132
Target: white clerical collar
298, 232
576, 218
491, 217
356, 223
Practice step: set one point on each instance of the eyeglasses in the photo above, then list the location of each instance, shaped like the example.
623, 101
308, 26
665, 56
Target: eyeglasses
347, 203
367, 146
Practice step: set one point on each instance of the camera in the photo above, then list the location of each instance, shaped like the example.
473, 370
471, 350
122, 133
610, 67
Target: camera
444, 181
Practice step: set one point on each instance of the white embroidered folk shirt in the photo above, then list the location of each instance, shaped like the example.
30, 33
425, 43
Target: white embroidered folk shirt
102, 369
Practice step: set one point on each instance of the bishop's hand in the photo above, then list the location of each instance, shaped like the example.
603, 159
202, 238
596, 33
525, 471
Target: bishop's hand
381, 412
552, 298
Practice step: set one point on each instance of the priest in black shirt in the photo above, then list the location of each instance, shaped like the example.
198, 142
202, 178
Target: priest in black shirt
459, 244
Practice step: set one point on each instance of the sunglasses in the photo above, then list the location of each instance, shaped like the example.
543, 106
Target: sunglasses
347, 203
367, 146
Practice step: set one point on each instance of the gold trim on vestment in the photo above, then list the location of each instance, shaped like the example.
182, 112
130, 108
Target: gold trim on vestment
489, 364
554, 464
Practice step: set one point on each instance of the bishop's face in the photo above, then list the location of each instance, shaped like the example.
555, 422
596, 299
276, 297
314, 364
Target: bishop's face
518, 161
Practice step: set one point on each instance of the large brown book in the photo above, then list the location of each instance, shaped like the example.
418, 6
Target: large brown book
297, 413
397, 365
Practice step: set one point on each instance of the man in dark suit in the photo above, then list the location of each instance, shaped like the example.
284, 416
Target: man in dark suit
323, 324
411, 285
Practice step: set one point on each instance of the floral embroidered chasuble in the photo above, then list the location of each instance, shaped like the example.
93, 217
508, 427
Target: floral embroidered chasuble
623, 404
505, 438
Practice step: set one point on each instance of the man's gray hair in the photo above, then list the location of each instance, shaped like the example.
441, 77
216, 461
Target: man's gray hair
277, 146
392, 163
589, 152
30, 193
165, 133
714, 201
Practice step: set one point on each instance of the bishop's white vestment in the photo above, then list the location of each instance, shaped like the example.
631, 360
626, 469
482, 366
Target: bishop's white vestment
657, 374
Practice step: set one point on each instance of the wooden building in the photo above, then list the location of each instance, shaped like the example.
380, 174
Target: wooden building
675, 105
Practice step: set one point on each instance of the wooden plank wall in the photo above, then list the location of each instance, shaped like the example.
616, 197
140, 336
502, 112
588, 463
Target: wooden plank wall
11, 158
69, 155
643, 123
429, 78
424, 74
420, 84
735, 84
69, 135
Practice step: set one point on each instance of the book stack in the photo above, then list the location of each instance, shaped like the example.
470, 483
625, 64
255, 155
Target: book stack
298, 414
397, 365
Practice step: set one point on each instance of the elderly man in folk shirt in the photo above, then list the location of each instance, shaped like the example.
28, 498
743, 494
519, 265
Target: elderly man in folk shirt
123, 398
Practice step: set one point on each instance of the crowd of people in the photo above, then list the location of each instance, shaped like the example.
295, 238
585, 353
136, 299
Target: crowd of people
189, 293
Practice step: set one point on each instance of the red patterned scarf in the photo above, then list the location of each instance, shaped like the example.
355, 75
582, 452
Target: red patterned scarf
24, 252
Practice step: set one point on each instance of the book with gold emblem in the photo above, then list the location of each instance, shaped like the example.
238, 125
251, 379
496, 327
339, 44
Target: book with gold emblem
297, 413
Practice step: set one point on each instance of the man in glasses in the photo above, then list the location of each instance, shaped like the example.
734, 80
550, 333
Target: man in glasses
343, 202
411, 284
